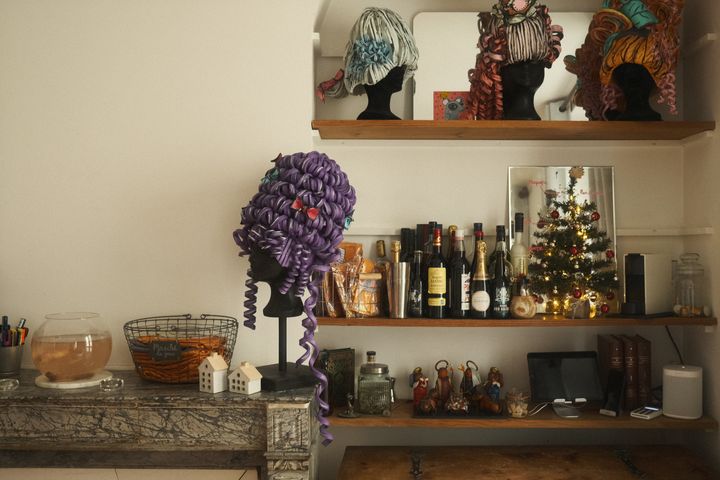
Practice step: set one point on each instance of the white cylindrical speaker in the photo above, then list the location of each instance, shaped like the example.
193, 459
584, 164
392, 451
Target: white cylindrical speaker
682, 392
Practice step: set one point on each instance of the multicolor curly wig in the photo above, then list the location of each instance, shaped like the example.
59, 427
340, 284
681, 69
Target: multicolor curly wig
642, 32
298, 216
515, 31
379, 41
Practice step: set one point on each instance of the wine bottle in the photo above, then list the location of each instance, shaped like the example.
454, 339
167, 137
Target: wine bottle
436, 289
502, 275
459, 284
415, 294
451, 241
427, 253
480, 287
407, 244
478, 237
519, 253
382, 266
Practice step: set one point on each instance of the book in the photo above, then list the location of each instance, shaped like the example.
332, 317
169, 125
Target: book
611, 355
631, 372
644, 366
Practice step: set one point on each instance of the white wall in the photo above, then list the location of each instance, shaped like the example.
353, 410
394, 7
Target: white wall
133, 132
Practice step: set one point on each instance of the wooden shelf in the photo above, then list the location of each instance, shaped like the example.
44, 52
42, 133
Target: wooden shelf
506, 130
538, 321
402, 417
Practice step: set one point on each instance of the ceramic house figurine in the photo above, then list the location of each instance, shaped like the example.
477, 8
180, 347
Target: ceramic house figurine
213, 374
245, 379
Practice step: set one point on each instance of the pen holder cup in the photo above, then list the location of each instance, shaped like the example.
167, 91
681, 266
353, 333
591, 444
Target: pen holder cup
10, 359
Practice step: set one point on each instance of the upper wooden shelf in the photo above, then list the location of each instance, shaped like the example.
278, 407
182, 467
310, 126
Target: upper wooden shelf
538, 321
506, 130
589, 419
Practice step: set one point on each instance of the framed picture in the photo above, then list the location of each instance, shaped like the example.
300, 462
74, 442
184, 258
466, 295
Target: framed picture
339, 367
449, 105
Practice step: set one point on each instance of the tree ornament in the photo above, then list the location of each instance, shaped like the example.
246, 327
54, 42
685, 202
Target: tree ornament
577, 293
577, 172
595, 216
574, 250
555, 214
541, 224
610, 295
610, 254
605, 308
593, 297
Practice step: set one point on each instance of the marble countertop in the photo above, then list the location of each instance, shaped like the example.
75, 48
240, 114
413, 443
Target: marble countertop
138, 391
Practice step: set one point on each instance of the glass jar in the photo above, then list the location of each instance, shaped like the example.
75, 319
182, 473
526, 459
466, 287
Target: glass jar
517, 403
688, 286
374, 387
71, 346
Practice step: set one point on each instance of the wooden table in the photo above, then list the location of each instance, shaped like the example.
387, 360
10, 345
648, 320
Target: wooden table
155, 425
524, 463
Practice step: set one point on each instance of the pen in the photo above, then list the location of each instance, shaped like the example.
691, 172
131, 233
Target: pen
22, 323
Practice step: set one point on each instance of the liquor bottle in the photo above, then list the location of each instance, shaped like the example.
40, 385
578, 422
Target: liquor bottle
398, 283
415, 295
421, 231
382, 266
519, 253
407, 244
436, 290
459, 284
480, 287
502, 275
478, 236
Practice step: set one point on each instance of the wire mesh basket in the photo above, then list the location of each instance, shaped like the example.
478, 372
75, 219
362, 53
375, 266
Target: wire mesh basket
169, 349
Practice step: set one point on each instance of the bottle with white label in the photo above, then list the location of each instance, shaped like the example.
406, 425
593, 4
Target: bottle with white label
480, 286
459, 279
437, 279
519, 253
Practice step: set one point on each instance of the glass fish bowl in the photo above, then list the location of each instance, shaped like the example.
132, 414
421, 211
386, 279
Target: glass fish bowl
71, 350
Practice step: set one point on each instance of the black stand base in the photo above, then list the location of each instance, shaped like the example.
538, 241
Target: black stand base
274, 380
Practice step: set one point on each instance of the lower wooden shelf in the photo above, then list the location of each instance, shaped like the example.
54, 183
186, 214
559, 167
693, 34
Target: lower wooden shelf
538, 321
402, 417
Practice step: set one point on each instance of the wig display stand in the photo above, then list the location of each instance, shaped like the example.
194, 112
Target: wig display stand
284, 375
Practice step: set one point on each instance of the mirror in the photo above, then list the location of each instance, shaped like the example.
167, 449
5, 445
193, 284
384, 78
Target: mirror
532, 190
571, 209
447, 42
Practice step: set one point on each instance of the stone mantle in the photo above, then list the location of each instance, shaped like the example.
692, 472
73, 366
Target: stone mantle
148, 424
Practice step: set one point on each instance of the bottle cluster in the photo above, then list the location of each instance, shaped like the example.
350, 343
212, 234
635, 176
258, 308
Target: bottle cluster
444, 283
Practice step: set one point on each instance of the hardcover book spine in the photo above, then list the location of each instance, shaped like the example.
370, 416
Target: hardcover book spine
631, 372
610, 356
644, 365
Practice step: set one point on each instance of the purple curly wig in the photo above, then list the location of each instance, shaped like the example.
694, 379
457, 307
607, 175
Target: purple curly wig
298, 216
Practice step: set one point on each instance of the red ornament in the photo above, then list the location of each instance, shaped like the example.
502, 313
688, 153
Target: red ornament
555, 214
595, 216
610, 254
574, 250
577, 293
541, 224
605, 308
610, 295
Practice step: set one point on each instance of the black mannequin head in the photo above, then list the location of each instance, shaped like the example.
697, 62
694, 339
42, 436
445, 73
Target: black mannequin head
379, 96
520, 82
264, 268
636, 84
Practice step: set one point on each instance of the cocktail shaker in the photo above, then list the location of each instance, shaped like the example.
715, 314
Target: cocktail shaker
398, 283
